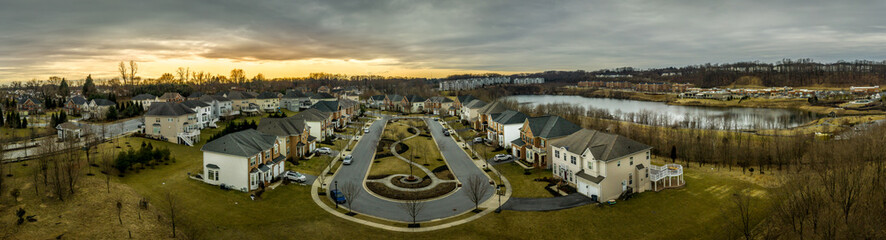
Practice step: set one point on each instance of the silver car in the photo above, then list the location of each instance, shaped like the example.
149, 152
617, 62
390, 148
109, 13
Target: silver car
347, 160
295, 176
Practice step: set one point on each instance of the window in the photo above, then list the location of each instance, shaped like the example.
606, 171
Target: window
647, 155
630, 178
573, 160
267, 154
632, 161
251, 161
591, 165
619, 163
211, 175
156, 130
557, 154
647, 173
169, 119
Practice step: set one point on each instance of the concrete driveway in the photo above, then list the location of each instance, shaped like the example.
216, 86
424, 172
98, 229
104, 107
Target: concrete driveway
459, 163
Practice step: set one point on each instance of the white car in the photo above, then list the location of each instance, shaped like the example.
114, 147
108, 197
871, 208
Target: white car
478, 140
295, 176
502, 157
324, 150
366, 130
347, 160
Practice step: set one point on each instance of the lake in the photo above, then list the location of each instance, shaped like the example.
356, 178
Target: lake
659, 113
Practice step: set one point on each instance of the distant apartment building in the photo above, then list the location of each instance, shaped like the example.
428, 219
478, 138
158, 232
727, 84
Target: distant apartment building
472, 83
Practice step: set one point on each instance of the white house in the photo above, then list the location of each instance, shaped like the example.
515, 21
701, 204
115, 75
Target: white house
600, 165
505, 127
247, 160
203, 111
471, 110
219, 106
69, 130
295, 101
145, 100
320, 123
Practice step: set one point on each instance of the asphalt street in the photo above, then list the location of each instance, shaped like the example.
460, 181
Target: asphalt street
459, 163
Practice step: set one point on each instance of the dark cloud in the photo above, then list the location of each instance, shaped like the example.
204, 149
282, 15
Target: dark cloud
480, 35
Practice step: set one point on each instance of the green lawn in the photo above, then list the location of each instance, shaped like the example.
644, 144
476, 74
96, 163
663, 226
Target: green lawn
525, 185
423, 149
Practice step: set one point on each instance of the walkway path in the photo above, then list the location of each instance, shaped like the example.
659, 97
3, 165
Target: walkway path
546, 204
387, 180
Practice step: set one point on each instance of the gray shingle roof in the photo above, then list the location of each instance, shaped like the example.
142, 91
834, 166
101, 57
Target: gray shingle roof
551, 126
195, 103
144, 96
237, 95
377, 97
326, 106
168, 109
476, 103
103, 102
439, 99
281, 126
494, 107
510, 117
414, 99
584, 175
464, 99
244, 143
170, 95
311, 115
603, 146
78, 100
195, 95
210, 98
294, 94
395, 98
267, 95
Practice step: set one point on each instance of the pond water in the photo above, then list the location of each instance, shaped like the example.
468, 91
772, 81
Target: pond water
659, 113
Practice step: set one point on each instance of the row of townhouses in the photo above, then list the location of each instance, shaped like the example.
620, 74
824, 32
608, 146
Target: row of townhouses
438, 105
600, 165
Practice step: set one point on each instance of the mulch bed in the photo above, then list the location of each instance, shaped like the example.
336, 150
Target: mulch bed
439, 190
442, 172
424, 182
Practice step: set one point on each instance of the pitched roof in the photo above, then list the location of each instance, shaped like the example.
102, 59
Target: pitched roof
210, 98
414, 98
326, 106
79, 100
237, 95
168, 109
603, 146
144, 96
311, 115
494, 107
26, 98
439, 99
68, 126
394, 97
347, 103
195, 95
170, 95
267, 95
294, 94
281, 126
103, 102
244, 143
465, 98
321, 95
510, 117
475, 103
551, 126
195, 103
377, 97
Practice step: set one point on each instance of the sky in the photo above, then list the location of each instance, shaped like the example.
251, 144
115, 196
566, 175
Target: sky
71, 39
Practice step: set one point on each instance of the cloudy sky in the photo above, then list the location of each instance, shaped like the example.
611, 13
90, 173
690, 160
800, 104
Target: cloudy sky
39, 38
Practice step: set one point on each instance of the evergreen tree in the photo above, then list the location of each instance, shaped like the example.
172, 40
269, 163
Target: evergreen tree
24, 123
63, 89
112, 113
88, 86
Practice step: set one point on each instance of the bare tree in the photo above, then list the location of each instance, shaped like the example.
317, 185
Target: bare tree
133, 69
476, 187
122, 69
739, 218
352, 191
413, 208
171, 202
120, 211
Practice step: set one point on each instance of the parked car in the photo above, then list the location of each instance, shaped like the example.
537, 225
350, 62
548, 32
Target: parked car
295, 176
366, 130
324, 150
347, 160
337, 196
502, 157
445, 132
478, 140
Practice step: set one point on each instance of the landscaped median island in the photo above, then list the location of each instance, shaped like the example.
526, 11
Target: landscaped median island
408, 165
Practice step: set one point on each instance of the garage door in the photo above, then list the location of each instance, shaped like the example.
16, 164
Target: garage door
587, 189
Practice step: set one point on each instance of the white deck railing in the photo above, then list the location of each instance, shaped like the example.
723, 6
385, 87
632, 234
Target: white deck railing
668, 170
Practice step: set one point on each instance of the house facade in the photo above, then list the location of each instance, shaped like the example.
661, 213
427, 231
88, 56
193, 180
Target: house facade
172, 122
471, 111
219, 106
171, 97
484, 115
438, 105
29, 105
247, 160
599, 165
145, 100
319, 123
412, 104
505, 127
69, 131
203, 111
295, 101
75, 105
375, 101
535, 136
268, 101
392, 102
98, 108
292, 133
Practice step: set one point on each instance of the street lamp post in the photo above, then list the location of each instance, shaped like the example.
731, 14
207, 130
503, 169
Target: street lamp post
333, 196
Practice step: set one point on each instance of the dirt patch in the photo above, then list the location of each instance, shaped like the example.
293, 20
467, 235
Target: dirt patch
424, 182
439, 190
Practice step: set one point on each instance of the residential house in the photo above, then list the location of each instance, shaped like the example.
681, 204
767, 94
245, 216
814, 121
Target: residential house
173, 122
145, 100
247, 160
323, 89
295, 101
219, 106
69, 130
268, 101
171, 97
535, 135
204, 115
601, 165
505, 127
375, 101
76, 104
98, 108
471, 111
319, 123
243, 102
293, 133
29, 105
460, 101
413, 104
349, 109
438, 105
195, 96
316, 97
484, 114
392, 102
333, 109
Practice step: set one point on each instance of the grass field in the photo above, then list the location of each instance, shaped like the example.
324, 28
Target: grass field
423, 150
525, 186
